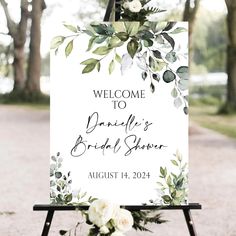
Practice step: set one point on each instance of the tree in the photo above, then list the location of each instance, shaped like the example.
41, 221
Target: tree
18, 34
34, 61
190, 13
231, 56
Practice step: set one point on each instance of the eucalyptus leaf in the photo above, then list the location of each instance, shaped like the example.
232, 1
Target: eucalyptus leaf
115, 42
57, 41
174, 93
132, 28
104, 50
182, 72
178, 30
89, 61
132, 47
126, 63
157, 54
144, 75
178, 102
111, 66
169, 26
98, 66
171, 57
186, 110
183, 84
71, 28
152, 87
69, 48
119, 27
169, 76
91, 42
174, 162
156, 77
118, 58
123, 36
169, 39
147, 43
88, 68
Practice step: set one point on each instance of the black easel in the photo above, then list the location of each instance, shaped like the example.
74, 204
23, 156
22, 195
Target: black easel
52, 208
186, 210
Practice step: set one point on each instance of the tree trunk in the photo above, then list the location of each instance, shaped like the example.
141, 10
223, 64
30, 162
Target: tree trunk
18, 33
34, 62
18, 68
231, 56
190, 13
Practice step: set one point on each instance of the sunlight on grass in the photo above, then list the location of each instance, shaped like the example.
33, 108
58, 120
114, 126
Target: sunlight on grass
207, 117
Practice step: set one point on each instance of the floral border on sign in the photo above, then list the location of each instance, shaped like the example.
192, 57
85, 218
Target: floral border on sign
172, 189
150, 45
103, 217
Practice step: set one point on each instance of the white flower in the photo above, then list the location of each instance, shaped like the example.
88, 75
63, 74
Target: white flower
104, 230
126, 5
135, 6
117, 233
123, 220
100, 212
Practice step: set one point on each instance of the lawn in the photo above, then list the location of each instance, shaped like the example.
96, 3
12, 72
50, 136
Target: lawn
207, 117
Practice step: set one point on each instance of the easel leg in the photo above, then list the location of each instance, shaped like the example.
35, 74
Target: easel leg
47, 223
189, 221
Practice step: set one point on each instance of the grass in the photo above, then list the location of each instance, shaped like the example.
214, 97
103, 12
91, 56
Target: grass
207, 116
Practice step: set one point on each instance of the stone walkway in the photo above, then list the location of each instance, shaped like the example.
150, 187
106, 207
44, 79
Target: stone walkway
24, 171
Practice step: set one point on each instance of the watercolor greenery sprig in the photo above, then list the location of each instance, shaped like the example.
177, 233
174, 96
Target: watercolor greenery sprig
137, 10
60, 186
151, 45
173, 187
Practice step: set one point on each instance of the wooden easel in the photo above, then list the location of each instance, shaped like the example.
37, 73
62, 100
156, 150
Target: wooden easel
52, 208
186, 211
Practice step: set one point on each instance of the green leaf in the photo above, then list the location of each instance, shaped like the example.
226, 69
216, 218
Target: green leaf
174, 93
183, 84
157, 54
89, 61
178, 30
163, 172
69, 48
178, 102
152, 87
115, 42
182, 72
156, 77
88, 68
89, 32
62, 232
171, 57
111, 66
102, 50
169, 26
71, 28
144, 75
166, 198
132, 47
132, 28
58, 175
169, 181
100, 39
169, 76
68, 198
186, 110
98, 66
57, 41
118, 58
119, 27
147, 43
169, 39
91, 42
123, 36
174, 162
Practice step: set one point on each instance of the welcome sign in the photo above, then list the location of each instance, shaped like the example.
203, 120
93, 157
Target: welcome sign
119, 114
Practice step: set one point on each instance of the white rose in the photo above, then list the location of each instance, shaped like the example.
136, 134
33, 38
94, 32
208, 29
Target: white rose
100, 212
123, 220
126, 5
135, 6
117, 233
104, 230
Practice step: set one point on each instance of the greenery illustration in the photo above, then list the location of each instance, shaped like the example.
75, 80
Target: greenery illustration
60, 186
137, 10
173, 187
150, 45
